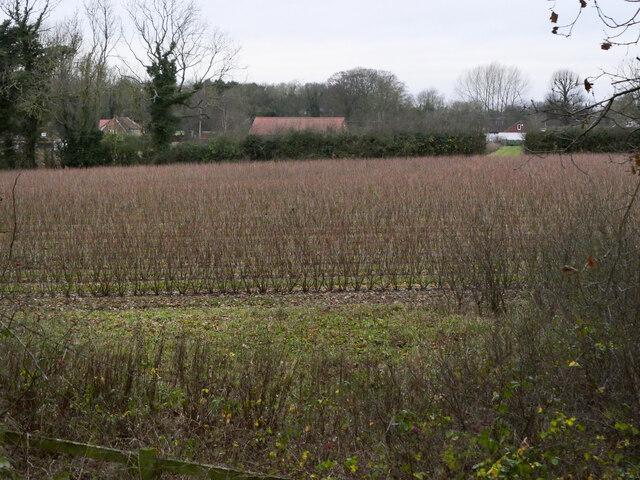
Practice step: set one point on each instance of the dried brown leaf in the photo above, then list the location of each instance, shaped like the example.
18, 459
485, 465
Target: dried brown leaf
554, 17
587, 85
583, 3
605, 45
569, 270
635, 166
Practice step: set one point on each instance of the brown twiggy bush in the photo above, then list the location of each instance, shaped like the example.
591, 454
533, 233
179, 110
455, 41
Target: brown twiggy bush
476, 227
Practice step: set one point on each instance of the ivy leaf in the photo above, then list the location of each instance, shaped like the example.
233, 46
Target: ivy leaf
554, 17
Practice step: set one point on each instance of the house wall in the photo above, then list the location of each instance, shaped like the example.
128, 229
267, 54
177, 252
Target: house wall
506, 137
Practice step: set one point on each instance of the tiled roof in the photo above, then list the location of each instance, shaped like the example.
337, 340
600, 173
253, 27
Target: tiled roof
279, 125
119, 123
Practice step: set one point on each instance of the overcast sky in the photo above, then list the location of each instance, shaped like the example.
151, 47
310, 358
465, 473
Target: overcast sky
427, 44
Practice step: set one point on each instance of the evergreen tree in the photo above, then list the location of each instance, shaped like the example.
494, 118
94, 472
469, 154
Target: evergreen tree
165, 95
8, 94
25, 66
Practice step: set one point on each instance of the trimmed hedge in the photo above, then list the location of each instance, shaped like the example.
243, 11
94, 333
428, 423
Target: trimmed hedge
83, 149
600, 140
128, 150
308, 145
96, 149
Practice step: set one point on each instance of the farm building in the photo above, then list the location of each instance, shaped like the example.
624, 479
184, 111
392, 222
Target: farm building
280, 125
120, 126
515, 133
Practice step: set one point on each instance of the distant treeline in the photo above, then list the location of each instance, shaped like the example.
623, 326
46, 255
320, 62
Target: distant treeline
599, 140
120, 150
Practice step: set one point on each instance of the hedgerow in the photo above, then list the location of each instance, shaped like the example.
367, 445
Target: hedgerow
302, 145
600, 140
308, 145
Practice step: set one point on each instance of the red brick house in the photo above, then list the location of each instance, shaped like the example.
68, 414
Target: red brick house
280, 125
515, 133
517, 127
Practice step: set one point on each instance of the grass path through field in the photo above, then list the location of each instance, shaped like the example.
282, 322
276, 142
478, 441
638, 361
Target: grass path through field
507, 151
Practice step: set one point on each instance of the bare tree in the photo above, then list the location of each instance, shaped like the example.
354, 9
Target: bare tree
368, 97
80, 78
625, 110
496, 87
429, 100
178, 51
175, 27
104, 32
565, 97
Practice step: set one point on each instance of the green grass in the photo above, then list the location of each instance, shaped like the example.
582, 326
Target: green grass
507, 151
392, 330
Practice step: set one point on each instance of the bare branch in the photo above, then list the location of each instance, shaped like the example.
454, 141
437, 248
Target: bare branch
174, 28
14, 229
493, 86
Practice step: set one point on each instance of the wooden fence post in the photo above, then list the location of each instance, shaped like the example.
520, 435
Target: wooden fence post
147, 463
